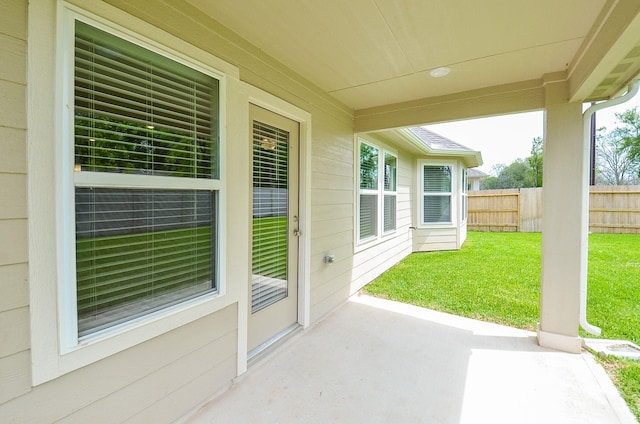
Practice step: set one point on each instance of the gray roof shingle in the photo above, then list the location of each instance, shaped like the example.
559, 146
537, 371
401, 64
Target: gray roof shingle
436, 141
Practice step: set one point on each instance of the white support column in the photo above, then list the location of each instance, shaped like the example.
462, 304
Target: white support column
564, 220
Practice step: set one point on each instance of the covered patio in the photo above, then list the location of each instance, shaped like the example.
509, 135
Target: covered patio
323, 76
380, 361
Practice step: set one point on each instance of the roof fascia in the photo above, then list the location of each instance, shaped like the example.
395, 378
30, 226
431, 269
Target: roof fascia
503, 99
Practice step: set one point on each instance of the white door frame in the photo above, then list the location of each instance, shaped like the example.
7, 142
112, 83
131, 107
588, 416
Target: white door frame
274, 104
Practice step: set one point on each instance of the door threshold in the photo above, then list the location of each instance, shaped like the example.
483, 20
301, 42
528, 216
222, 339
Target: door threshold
271, 343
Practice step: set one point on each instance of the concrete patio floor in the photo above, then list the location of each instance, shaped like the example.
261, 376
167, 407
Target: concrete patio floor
377, 361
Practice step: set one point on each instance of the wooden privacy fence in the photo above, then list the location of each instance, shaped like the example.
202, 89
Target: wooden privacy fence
612, 209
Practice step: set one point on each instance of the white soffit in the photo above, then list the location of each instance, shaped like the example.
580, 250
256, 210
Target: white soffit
369, 53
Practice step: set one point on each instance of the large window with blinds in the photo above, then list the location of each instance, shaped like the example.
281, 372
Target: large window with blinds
377, 173
437, 195
146, 180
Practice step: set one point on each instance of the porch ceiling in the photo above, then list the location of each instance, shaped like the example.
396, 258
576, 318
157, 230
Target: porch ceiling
372, 53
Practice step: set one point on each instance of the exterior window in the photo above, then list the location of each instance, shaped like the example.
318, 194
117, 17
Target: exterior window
390, 172
377, 192
436, 194
464, 189
146, 181
369, 191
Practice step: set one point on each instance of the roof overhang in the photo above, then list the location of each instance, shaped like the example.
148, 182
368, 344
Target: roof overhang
407, 140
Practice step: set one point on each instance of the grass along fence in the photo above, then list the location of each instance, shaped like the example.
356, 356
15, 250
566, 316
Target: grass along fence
612, 209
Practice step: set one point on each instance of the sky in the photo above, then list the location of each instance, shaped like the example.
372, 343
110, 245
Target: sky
503, 139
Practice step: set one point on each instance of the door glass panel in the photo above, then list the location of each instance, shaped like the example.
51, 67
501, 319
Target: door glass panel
270, 215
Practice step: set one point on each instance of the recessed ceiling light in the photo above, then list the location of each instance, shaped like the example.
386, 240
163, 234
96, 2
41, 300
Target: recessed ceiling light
440, 72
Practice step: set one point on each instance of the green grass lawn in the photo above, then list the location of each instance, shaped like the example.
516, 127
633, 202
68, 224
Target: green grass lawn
496, 277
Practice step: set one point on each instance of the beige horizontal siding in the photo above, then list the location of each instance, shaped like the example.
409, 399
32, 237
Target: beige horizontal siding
12, 59
371, 263
15, 380
165, 381
333, 165
332, 230
329, 212
13, 192
329, 302
14, 286
13, 241
202, 384
15, 359
338, 271
425, 240
13, 18
343, 255
147, 372
329, 227
323, 180
332, 241
12, 105
13, 150
331, 197
14, 331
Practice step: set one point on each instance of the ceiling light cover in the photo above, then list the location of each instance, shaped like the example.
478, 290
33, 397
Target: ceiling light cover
440, 72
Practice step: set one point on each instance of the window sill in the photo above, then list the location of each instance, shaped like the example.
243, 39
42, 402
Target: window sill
437, 225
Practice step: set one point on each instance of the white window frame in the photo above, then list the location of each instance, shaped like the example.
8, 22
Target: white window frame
56, 348
453, 194
464, 197
380, 192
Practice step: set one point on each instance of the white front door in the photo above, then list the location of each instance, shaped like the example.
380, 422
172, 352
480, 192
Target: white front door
273, 288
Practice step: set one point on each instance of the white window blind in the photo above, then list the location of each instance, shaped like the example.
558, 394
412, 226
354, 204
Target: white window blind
390, 175
436, 188
270, 215
377, 192
146, 117
141, 113
138, 251
369, 191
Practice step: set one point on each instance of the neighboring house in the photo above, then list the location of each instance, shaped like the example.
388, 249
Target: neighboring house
186, 181
475, 177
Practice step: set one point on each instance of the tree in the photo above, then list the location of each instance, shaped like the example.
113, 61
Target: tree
618, 151
521, 173
535, 160
614, 166
517, 175
629, 133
